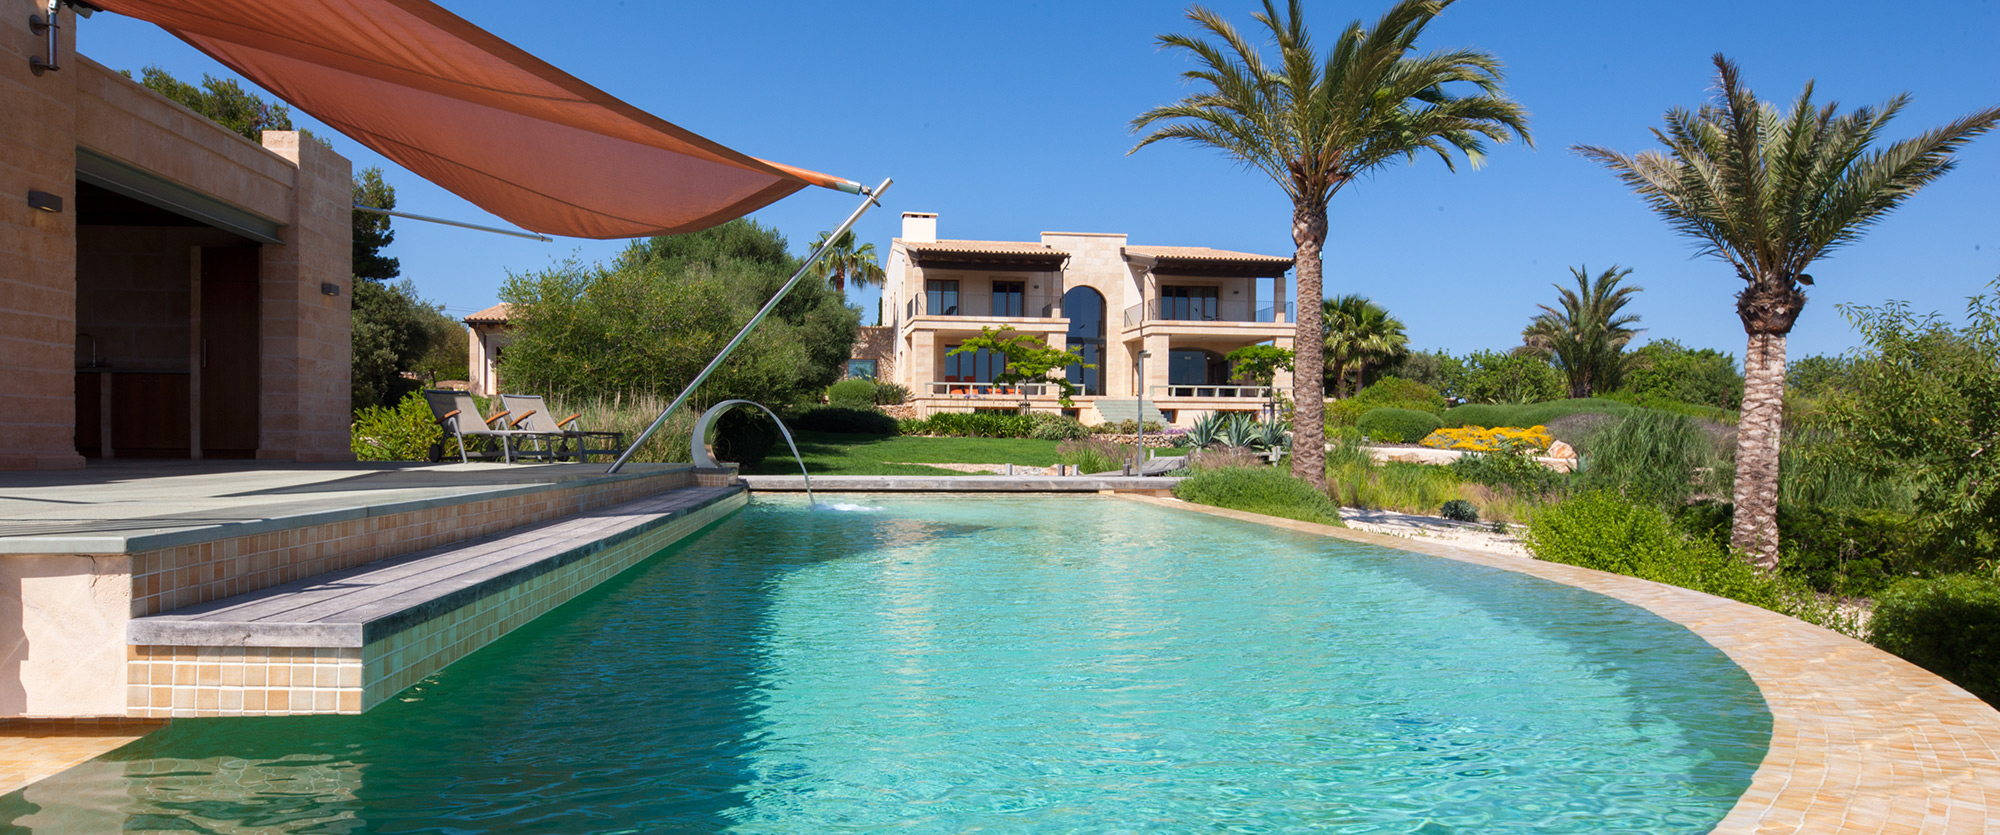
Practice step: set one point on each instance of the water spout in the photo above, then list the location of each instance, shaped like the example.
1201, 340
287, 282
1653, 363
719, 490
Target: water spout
698, 451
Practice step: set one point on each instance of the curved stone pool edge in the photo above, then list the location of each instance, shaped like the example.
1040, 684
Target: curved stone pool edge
1861, 740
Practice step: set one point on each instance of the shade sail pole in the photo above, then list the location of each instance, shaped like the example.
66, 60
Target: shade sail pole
458, 223
868, 199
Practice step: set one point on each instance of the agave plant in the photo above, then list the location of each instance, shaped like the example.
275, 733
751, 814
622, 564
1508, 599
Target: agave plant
1206, 431
1242, 431
1277, 435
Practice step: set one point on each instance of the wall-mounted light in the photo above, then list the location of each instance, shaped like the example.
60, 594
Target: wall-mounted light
43, 201
328, 288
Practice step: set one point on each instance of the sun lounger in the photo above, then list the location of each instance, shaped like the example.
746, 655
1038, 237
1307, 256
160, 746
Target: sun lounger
529, 411
458, 415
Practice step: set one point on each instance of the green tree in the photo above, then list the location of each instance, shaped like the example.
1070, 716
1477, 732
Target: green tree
372, 234
1586, 334
1315, 123
1360, 335
846, 262
1437, 369
394, 330
1919, 405
1029, 359
222, 100
646, 323
1771, 193
1664, 369
1260, 365
1515, 377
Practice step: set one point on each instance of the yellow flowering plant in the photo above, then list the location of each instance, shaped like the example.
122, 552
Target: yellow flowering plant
1496, 439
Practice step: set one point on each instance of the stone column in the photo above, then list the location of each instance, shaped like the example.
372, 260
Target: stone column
307, 334
37, 248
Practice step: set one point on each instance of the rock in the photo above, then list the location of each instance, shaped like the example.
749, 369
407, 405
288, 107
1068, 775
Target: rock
1561, 451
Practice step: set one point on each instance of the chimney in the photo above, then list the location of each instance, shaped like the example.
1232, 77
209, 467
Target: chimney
920, 227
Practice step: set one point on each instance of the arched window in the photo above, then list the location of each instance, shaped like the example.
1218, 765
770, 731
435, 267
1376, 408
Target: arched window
1085, 309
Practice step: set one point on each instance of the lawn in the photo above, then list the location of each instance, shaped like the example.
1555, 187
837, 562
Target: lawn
828, 453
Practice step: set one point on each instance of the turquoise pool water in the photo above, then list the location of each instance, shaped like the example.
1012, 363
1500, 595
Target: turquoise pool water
953, 663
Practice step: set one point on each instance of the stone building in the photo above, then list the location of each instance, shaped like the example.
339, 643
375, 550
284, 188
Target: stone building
1171, 313
168, 288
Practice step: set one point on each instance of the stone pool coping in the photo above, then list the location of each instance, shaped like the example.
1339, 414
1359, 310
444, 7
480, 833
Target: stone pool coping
1861, 740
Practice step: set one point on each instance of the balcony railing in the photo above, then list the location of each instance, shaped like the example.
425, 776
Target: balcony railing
1234, 392
1001, 390
918, 305
1174, 310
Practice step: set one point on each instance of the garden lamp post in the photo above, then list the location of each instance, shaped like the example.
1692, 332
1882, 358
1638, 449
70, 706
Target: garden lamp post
1139, 415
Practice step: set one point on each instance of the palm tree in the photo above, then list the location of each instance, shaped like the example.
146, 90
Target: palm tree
1360, 334
1316, 123
847, 262
1771, 193
1587, 337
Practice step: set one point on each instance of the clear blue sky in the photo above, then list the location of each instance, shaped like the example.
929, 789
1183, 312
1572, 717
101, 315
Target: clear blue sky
1010, 118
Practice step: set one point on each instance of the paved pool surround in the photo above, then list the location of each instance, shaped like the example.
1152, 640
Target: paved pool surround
84, 554
344, 642
1861, 741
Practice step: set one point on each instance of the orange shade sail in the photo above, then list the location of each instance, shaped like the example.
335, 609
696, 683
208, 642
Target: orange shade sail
479, 116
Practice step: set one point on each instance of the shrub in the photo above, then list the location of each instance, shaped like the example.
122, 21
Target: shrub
972, 425
1855, 553
1492, 415
1388, 392
1650, 456
856, 393
1666, 371
1124, 427
1088, 455
403, 432
1265, 490
1499, 439
1493, 377
1609, 532
1459, 510
1401, 426
890, 394
1511, 470
1950, 626
844, 421
1047, 427
744, 436
1223, 459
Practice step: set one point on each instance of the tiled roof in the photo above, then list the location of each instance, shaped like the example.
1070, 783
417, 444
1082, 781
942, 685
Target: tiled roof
1202, 253
495, 315
982, 248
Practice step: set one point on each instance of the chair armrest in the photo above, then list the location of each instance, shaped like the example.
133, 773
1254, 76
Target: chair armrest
489, 421
566, 421
516, 423
447, 416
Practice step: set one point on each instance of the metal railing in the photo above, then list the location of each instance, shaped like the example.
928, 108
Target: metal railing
1155, 311
1233, 392
918, 305
1014, 390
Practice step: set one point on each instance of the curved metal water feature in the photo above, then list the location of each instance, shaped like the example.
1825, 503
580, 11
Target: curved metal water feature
698, 450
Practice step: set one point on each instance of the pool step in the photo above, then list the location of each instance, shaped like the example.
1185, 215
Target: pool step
343, 642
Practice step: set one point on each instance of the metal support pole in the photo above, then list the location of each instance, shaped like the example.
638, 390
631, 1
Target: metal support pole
458, 223
50, 28
868, 199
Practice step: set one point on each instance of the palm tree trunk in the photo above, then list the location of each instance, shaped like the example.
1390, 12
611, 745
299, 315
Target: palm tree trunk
1309, 341
1754, 530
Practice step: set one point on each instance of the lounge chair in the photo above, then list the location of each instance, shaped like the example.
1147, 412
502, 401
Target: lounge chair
530, 412
458, 415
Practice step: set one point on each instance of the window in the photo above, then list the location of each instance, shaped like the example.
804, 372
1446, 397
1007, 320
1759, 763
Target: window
941, 297
979, 366
1196, 304
861, 369
1085, 309
1009, 298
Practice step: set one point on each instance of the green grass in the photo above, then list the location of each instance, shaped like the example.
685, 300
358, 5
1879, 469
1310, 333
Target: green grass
1266, 490
828, 453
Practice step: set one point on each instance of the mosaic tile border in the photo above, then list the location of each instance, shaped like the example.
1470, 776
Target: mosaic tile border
1861, 741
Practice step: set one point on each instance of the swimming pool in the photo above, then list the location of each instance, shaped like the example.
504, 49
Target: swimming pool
956, 662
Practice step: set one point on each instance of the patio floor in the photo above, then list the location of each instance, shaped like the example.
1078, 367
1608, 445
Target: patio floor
116, 507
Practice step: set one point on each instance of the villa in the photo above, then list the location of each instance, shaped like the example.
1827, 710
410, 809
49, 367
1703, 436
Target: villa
1156, 321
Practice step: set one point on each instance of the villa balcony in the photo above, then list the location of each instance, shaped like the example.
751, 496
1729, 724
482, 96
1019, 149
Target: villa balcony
973, 313
1199, 317
1231, 394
